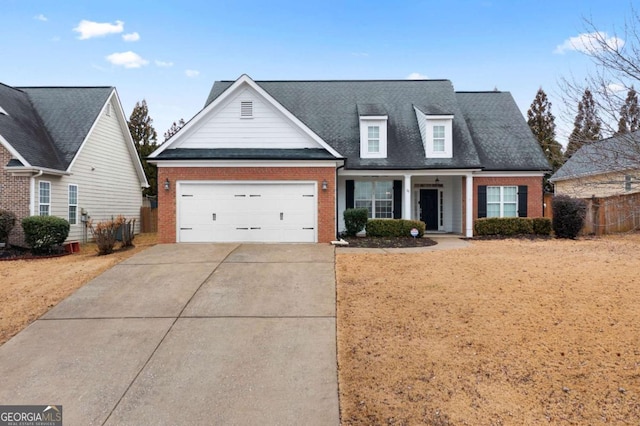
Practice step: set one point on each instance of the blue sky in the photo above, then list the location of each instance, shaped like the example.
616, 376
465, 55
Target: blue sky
170, 53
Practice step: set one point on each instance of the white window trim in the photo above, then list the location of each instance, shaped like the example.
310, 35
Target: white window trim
373, 120
373, 199
69, 204
502, 202
439, 120
40, 203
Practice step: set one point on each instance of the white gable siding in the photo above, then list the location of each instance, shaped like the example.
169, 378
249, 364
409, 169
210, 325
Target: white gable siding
107, 181
224, 127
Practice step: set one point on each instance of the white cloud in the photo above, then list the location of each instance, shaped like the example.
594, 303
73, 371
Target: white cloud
127, 59
589, 43
90, 29
131, 37
192, 73
41, 17
163, 64
417, 76
616, 87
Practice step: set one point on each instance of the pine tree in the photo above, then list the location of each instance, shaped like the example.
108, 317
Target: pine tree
629, 114
586, 127
542, 123
173, 129
144, 136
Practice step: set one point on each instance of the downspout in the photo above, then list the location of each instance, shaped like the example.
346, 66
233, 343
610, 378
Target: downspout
32, 195
337, 202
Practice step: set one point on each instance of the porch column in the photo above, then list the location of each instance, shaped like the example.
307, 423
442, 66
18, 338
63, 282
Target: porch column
406, 199
469, 206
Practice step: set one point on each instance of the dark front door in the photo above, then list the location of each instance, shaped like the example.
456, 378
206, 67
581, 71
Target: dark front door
429, 208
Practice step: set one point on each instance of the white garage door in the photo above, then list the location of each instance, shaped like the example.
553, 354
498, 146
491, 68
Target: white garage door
246, 212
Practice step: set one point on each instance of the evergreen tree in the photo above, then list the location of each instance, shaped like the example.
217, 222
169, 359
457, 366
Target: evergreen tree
586, 127
542, 123
629, 114
173, 129
144, 136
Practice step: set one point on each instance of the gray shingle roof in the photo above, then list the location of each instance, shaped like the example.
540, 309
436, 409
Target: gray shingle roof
24, 130
68, 114
246, 154
613, 154
488, 129
501, 135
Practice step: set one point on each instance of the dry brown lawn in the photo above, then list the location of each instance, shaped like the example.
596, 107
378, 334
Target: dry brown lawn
506, 332
29, 288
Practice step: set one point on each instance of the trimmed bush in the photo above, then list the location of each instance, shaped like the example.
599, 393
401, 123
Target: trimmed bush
568, 216
389, 228
105, 234
355, 220
43, 233
505, 226
7, 222
541, 225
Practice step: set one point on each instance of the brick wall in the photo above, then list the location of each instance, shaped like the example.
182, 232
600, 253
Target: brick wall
534, 191
14, 196
167, 199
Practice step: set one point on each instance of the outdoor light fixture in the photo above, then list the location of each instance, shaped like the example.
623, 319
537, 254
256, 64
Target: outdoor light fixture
325, 185
167, 184
437, 179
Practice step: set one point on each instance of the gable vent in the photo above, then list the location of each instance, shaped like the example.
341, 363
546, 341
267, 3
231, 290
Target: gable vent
246, 109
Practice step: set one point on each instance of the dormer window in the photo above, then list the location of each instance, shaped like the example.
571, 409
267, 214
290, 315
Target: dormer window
246, 109
373, 136
437, 134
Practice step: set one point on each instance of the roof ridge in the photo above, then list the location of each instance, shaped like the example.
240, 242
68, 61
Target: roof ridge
11, 87
343, 81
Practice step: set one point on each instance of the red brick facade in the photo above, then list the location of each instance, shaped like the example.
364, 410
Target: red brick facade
534, 191
326, 199
14, 196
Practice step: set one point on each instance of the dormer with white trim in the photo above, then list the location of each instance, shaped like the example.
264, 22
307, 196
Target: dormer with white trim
437, 134
373, 131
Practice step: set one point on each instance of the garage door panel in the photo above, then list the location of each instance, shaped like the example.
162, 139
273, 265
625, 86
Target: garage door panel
256, 212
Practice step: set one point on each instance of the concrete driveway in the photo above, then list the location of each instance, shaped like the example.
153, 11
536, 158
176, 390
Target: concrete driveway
195, 334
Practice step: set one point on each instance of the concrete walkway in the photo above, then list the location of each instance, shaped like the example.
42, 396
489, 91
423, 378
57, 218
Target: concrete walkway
188, 334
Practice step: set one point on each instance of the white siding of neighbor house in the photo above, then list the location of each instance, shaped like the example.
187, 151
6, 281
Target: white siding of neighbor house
268, 128
104, 171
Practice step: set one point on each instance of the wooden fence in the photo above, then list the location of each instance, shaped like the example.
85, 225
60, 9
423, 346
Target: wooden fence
619, 213
148, 219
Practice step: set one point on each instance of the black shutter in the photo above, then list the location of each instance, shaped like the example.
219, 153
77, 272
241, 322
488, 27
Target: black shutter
350, 193
522, 201
397, 199
482, 201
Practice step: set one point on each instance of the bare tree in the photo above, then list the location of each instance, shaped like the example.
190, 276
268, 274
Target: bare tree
615, 71
173, 129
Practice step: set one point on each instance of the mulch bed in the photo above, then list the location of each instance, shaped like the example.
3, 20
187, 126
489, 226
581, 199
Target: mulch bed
400, 242
18, 253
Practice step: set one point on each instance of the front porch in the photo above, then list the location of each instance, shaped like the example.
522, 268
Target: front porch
443, 199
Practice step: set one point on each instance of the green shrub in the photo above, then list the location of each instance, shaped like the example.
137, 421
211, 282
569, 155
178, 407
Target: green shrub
355, 221
541, 225
504, 226
7, 222
43, 233
568, 216
393, 227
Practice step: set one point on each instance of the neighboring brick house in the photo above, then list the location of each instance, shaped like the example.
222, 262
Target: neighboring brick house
281, 160
65, 151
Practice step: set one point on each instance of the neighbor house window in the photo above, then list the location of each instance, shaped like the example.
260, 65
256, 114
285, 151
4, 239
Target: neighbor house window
45, 198
373, 139
438, 139
376, 197
627, 182
502, 201
73, 204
